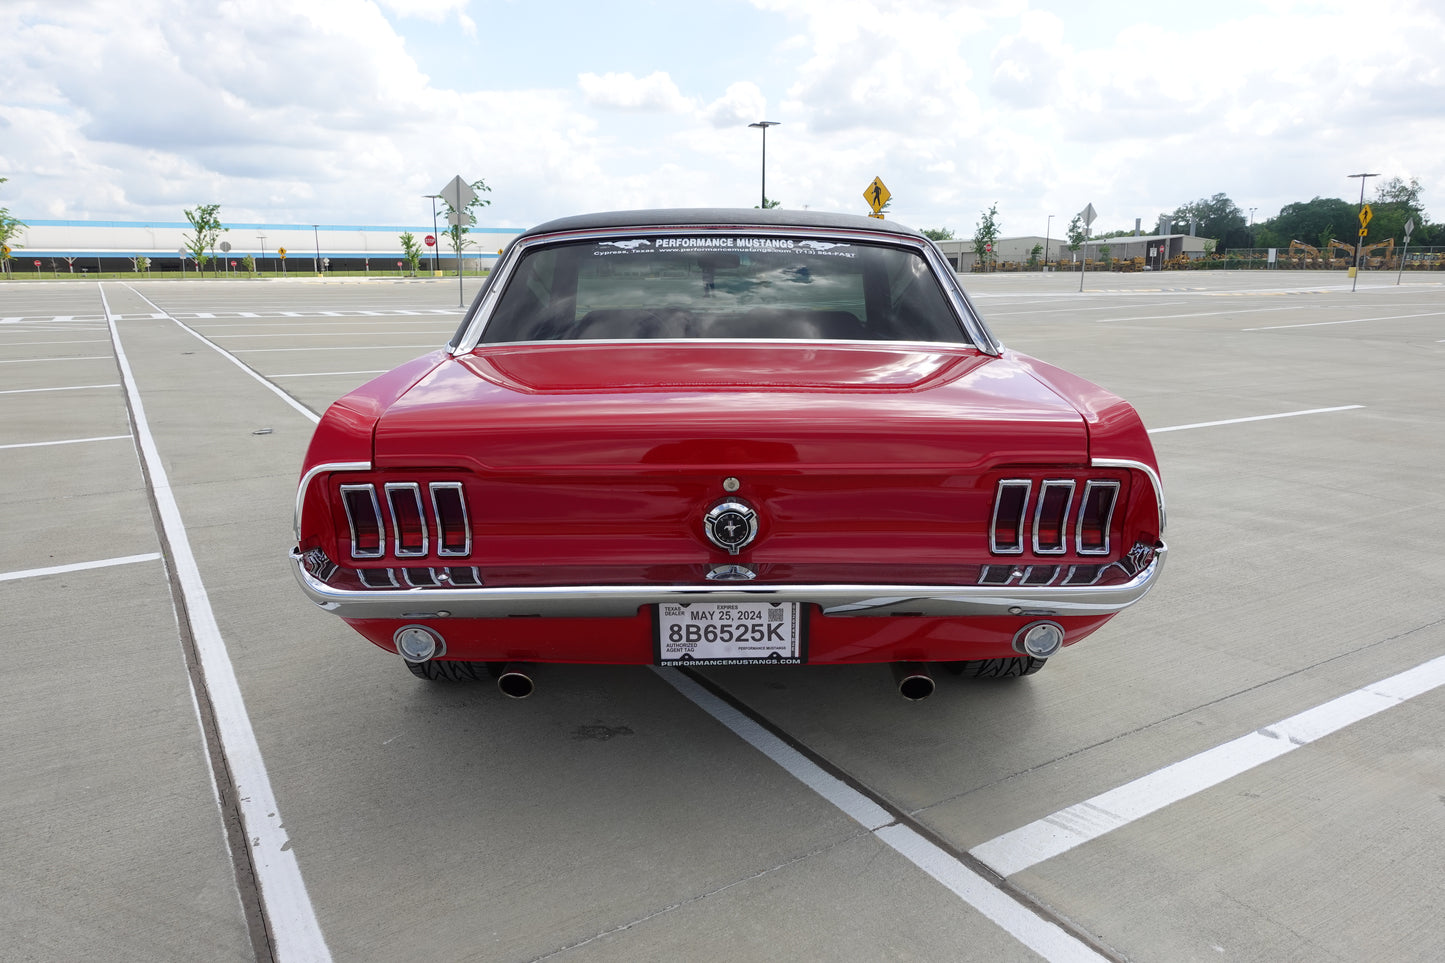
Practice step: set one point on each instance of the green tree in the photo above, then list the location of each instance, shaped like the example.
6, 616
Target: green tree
1397, 191
410, 250
1397, 201
1035, 253
938, 233
9, 230
206, 222
1076, 234
1217, 217
1312, 222
985, 235
457, 233
769, 204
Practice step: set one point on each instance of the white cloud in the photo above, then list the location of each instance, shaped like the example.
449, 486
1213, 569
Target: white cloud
623, 91
436, 11
322, 112
741, 103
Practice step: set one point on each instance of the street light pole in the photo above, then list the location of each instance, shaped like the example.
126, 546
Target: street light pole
315, 233
261, 267
1360, 241
763, 125
1047, 224
436, 238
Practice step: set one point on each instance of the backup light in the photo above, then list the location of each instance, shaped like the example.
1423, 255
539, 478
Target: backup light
417, 643
1039, 639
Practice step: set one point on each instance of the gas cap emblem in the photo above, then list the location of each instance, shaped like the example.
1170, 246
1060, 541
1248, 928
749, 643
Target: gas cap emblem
731, 525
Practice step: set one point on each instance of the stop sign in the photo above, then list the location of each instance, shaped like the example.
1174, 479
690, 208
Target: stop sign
430, 241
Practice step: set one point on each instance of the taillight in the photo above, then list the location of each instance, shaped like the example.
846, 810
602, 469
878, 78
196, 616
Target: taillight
1047, 521
454, 534
363, 515
408, 525
1006, 534
407, 514
1051, 517
1095, 516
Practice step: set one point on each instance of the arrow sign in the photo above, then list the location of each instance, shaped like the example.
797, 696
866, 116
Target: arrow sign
1365, 215
458, 193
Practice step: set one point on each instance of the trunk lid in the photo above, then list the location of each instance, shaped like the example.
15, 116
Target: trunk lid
600, 408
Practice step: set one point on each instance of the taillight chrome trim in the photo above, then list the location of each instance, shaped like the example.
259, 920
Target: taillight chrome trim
1058, 520
1148, 471
1016, 546
310, 476
411, 499
443, 549
376, 521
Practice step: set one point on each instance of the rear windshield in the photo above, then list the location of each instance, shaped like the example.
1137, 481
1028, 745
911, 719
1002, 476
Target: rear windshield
722, 286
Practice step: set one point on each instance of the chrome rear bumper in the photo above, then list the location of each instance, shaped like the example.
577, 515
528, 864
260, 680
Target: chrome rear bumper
623, 601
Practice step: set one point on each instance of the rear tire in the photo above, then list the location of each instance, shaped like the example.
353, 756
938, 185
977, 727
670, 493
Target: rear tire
449, 671
1006, 668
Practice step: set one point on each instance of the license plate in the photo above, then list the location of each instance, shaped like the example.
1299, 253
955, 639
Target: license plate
730, 633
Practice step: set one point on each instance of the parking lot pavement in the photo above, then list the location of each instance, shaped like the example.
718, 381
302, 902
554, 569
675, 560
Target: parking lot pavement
612, 815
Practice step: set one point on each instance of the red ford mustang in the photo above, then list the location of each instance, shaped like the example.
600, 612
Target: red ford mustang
706, 437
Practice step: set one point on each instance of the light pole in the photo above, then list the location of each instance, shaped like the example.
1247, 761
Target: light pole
1360, 241
763, 125
316, 233
1047, 224
435, 269
261, 267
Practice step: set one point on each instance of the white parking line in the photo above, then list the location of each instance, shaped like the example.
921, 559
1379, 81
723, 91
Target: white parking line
1061, 831
1044, 938
343, 347
294, 929
97, 357
1240, 421
330, 374
1272, 309
313, 334
65, 441
17, 344
27, 391
79, 566
1322, 324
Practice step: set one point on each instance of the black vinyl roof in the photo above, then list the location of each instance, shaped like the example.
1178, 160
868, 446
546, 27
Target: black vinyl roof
720, 217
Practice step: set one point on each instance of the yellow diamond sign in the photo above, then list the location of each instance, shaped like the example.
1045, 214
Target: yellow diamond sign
876, 195
1365, 215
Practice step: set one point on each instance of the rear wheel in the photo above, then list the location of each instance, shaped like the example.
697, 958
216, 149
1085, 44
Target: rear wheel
450, 671
1006, 668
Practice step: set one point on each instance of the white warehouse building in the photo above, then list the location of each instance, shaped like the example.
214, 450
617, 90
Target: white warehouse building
110, 245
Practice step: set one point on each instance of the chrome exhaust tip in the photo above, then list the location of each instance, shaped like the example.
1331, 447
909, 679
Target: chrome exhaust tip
913, 679
515, 680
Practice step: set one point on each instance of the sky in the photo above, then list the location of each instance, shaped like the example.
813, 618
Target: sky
351, 111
